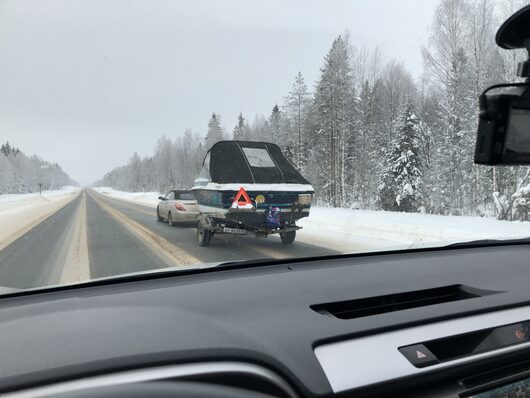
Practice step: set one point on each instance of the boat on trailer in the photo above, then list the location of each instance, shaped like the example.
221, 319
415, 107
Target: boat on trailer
247, 186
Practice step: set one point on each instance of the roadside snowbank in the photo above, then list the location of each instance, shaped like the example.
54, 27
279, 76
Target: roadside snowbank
359, 230
405, 229
146, 198
21, 212
6, 198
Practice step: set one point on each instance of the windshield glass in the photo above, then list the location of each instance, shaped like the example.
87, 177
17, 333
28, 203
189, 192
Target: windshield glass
141, 135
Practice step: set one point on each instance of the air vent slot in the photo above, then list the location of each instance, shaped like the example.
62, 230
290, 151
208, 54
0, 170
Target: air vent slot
398, 302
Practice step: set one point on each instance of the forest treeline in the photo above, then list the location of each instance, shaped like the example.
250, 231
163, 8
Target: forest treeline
368, 135
20, 173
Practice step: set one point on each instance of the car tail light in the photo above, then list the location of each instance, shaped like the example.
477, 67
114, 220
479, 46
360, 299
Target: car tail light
179, 207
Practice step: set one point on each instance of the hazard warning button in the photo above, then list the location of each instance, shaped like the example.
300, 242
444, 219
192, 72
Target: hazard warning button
419, 355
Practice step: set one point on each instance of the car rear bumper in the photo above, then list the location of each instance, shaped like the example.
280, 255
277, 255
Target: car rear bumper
185, 216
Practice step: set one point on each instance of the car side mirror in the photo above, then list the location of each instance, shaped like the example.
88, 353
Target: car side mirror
160, 198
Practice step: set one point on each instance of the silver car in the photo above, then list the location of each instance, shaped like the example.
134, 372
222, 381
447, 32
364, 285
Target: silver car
177, 207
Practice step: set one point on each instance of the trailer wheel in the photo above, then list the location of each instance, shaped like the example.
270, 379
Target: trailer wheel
288, 237
204, 235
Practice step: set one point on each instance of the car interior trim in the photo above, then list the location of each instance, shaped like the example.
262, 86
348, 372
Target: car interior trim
159, 373
373, 359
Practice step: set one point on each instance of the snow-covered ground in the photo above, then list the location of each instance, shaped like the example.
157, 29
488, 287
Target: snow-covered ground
20, 212
359, 230
145, 198
390, 229
6, 198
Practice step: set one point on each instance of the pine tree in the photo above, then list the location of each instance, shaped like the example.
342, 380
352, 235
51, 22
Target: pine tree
6, 148
241, 130
401, 183
215, 131
275, 133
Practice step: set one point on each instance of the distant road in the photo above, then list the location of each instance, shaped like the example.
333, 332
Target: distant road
96, 236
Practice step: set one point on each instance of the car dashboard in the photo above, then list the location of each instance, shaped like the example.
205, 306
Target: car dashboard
435, 322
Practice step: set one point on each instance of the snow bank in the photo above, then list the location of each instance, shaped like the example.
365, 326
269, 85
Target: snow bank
406, 229
6, 198
362, 230
20, 213
146, 198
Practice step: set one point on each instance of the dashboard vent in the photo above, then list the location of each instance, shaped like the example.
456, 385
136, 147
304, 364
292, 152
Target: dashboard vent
398, 302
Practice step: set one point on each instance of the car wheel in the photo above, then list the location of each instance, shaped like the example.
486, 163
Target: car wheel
158, 217
170, 220
288, 237
204, 235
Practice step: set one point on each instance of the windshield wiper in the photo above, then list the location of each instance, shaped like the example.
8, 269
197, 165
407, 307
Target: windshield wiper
489, 242
257, 261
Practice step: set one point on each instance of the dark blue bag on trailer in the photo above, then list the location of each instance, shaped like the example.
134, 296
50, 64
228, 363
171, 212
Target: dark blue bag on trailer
272, 218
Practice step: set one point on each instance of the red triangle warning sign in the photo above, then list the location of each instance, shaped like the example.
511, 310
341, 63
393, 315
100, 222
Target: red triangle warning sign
246, 199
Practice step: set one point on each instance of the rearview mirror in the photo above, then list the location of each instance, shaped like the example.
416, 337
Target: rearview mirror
504, 121
160, 198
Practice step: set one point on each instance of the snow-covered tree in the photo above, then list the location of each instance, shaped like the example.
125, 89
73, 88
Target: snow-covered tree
174, 165
6, 149
401, 183
448, 65
339, 136
215, 131
259, 129
296, 106
22, 174
275, 127
334, 98
241, 130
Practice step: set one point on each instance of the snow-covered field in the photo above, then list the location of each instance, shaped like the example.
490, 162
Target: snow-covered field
358, 230
19, 213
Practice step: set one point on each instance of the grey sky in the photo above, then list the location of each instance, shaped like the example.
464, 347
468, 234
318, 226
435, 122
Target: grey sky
85, 83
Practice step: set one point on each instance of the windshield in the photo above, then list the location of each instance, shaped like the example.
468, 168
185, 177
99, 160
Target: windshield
140, 135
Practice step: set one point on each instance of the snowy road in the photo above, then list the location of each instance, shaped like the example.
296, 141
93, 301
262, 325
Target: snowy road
96, 236
99, 233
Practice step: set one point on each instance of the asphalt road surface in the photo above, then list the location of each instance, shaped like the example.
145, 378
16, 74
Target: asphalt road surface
95, 236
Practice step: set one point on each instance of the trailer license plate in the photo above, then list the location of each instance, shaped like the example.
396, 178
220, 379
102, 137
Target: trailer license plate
237, 231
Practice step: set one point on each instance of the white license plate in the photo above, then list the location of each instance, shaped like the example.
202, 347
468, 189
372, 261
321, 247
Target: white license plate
237, 231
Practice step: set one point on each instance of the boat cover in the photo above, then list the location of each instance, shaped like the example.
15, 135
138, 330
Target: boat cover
248, 162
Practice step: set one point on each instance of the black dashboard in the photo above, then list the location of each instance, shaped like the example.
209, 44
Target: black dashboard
315, 328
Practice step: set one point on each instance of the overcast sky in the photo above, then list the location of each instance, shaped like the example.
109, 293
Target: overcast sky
85, 83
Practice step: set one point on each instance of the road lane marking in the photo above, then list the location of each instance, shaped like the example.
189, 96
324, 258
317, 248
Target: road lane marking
76, 264
168, 252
